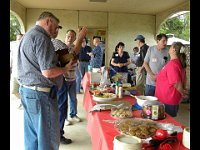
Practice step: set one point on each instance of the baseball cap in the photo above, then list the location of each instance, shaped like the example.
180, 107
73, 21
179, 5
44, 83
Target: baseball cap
139, 37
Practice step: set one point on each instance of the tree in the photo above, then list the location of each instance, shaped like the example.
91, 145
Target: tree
179, 26
15, 27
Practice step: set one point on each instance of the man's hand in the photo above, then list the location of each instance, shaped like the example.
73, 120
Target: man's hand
83, 32
81, 35
153, 77
91, 54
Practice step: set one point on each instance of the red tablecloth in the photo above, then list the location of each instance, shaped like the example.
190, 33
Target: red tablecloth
102, 133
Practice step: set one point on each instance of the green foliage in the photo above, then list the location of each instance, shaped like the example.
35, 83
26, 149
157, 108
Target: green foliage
14, 27
179, 26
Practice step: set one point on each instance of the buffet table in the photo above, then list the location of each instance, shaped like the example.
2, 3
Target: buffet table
102, 131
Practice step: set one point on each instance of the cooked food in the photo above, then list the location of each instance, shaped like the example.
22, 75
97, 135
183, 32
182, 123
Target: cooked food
96, 92
104, 95
137, 127
124, 112
130, 88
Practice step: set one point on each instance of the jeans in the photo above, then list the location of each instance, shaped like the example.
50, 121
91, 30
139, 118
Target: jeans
149, 90
78, 80
172, 110
41, 123
129, 80
84, 67
71, 89
62, 105
112, 72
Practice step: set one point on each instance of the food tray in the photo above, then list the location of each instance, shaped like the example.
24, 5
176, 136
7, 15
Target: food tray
120, 113
141, 128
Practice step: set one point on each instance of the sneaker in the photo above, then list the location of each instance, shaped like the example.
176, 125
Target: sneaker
67, 122
64, 140
76, 118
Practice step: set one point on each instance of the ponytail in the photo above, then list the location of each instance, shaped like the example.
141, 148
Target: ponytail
182, 58
179, 47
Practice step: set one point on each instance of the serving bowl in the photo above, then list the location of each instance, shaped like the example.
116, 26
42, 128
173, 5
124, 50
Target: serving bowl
103, 97
142, 99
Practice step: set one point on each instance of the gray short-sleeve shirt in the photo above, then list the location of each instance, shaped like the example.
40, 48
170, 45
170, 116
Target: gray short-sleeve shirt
36, 53
156, 61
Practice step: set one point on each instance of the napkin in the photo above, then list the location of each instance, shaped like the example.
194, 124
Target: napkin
136, 107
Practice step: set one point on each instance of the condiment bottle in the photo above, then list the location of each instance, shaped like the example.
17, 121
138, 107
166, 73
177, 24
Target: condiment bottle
116, 88
120, 92
89, 68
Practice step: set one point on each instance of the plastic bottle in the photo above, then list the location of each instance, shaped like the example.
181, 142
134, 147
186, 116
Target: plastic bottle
89, 68
120, 92
116, 88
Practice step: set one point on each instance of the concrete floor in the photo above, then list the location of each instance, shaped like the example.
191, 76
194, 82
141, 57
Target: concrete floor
183, 115
77, 131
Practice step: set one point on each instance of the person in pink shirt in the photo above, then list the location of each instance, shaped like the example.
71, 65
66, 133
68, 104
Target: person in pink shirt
171, 80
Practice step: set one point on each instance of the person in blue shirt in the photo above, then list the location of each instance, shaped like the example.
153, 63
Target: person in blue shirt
97, 53
40, 78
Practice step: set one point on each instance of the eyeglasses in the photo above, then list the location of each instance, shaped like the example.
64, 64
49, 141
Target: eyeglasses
59, 27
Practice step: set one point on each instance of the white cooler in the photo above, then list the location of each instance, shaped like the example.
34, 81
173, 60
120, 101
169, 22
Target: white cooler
95, 77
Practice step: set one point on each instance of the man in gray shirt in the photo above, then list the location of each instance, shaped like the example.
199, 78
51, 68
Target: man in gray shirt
155, 59
37, 70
